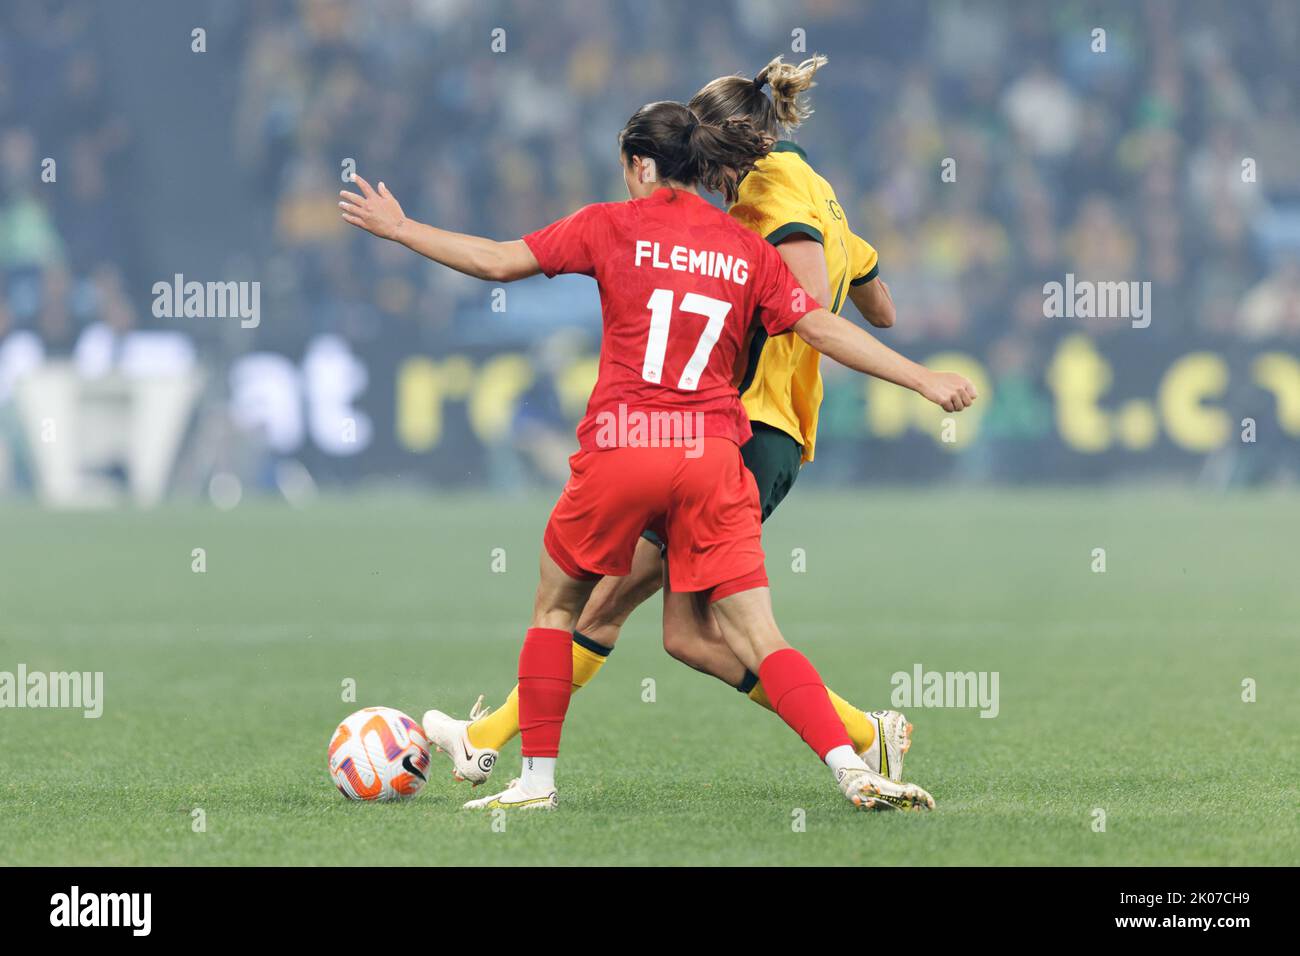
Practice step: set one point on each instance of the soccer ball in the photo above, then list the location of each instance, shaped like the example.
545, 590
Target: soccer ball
379, 753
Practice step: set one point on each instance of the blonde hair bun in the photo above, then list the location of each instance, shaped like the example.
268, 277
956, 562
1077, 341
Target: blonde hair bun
788, 82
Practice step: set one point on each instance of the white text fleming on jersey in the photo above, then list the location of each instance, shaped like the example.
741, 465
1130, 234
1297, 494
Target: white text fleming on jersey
706, 262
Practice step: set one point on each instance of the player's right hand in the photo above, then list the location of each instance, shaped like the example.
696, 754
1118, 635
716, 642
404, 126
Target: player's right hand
376, 211
948, 390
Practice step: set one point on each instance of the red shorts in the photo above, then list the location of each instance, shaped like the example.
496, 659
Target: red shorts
705, 507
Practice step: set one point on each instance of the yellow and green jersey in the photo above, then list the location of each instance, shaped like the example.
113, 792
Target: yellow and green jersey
783, 196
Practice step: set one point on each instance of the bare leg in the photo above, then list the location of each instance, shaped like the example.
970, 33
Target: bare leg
545, 677
604, 606
560, 598
748, 626
750, 633
614, 599
692, 636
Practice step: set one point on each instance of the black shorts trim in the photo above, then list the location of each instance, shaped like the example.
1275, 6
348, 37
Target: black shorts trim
657, 541
583, 641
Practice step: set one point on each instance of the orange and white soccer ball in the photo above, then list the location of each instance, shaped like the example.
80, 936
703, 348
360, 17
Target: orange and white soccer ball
379, 753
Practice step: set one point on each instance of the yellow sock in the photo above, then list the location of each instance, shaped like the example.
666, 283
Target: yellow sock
502, 725
860, 729
759, 696
499, 727
585, 664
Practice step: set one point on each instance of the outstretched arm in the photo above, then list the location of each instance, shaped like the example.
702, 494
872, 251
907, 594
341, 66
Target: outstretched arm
850, 345
378, 212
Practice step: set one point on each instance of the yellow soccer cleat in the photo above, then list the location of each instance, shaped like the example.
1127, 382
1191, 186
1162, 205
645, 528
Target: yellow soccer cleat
895, 733
515, 797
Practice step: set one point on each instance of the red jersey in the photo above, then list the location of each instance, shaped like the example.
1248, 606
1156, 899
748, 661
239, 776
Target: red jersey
681, 285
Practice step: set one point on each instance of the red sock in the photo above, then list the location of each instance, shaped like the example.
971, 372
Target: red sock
799, 696
545, 685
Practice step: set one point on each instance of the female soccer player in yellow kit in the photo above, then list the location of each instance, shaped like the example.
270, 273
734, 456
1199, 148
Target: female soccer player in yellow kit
789, 204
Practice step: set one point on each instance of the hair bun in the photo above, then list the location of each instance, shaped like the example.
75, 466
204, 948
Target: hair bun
788, 82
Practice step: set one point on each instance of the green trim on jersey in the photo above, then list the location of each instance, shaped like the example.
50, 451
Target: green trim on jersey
785, 146
776, 236
863, 280
752, 356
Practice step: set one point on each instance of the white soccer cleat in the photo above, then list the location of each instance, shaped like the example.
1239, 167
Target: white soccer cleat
895, 732
868, 790
515, 797
450, 736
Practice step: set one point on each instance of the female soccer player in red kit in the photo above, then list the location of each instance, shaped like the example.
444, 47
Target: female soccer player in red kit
681, 286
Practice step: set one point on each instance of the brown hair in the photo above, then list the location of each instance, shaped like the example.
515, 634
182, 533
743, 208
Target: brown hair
689, 151
729, 96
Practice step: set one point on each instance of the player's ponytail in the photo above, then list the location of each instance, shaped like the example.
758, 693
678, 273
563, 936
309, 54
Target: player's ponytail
690, 152
784, 110
724, 152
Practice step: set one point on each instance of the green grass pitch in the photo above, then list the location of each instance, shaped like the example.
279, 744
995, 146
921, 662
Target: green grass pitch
1119, 691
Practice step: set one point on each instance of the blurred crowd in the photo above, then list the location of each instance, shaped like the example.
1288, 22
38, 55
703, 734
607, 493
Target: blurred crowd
65, 259
985, 147
1168, 156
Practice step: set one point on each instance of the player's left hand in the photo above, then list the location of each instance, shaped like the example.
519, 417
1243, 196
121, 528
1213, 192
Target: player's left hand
377, 212
948, 390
